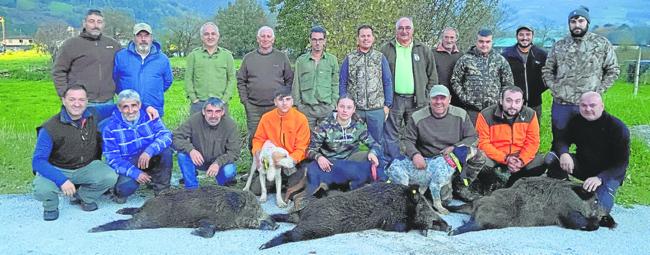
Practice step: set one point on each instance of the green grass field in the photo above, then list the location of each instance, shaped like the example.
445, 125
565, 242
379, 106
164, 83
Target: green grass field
25, 104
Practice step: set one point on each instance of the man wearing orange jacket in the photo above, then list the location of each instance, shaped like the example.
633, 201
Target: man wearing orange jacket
286, 127
508, 133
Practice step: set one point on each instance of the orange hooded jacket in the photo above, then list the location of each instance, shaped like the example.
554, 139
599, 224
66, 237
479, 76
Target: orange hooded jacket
290, 132
498, 138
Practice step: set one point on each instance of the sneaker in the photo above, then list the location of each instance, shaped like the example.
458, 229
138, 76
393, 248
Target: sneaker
551, 158
51, 215
88, 207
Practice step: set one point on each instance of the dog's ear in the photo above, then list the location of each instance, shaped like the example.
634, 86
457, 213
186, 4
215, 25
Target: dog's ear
582, 193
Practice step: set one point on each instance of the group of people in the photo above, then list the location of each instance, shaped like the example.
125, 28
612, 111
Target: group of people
404, 101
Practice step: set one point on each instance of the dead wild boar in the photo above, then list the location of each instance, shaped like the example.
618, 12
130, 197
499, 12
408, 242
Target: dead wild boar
536, 201
208, 209
386, 206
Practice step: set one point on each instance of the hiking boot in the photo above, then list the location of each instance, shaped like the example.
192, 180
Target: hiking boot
230, 183
464, 193
50, 215
502, 174
75, 200
88, 207
118, 200
551, 159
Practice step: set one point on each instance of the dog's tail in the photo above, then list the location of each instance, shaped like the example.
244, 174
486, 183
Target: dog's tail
293, 235
465, 208
285, 217
115, 225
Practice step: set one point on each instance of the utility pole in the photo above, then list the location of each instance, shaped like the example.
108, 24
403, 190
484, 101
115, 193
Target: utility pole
636, 72
2, 20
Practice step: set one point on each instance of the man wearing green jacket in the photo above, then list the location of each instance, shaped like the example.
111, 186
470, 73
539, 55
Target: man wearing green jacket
316, 79
414, 73
210, 70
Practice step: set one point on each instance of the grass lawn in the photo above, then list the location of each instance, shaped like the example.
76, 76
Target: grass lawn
26, 103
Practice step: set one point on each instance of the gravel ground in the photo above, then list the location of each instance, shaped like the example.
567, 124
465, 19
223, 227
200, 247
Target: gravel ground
642, 131
24, 232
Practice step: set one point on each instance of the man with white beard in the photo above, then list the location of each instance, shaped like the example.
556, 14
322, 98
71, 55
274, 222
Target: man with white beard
143, 67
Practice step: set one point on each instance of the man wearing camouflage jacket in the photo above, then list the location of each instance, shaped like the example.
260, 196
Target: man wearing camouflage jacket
578, 63
479, 76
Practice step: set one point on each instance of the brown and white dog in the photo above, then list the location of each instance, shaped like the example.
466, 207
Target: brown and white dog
264, 164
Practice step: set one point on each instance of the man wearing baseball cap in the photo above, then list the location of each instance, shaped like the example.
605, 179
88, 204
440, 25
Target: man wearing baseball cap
526, 61
143, 67
579, 63
438, 129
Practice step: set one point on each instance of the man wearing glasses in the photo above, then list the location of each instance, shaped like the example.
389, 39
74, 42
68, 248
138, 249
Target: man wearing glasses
68, 153
316, 79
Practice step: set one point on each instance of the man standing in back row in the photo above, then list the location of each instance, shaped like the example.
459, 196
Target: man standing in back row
210, 70
479, 76
365, 77
579, 63
262, 72
414, 73
88, 59
526, 61
315, 87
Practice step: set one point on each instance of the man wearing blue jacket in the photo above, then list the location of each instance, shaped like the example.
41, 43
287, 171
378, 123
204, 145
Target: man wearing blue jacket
143, 67
136, 147
68, 153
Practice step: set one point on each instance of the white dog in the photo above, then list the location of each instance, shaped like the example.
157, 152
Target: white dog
269, 171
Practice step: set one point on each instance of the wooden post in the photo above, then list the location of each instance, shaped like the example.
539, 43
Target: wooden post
636, 72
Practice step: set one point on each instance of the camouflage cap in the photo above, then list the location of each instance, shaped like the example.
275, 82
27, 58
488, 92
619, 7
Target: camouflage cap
439, 90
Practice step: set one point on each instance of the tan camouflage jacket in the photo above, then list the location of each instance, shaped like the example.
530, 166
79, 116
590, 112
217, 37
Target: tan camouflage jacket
477, 80
579, 65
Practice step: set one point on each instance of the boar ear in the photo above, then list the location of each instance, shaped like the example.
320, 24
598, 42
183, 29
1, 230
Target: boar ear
582, 193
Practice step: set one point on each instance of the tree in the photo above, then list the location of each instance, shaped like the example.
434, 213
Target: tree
182, 33
118, 24
431, 17
50, 36
342, 17
238, 24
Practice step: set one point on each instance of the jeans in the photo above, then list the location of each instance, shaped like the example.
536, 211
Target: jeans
226, 173
160, 170
561, 114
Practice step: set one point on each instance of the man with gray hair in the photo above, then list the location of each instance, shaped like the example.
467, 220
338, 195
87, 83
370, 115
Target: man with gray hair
262, 72
208, 141
136, 147
143, 67
414, 73
210, 70
88, 59
446, 54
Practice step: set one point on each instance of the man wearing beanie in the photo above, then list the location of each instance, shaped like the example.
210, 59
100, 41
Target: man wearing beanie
579, 63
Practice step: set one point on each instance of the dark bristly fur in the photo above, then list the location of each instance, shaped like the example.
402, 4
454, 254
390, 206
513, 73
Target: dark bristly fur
224, 208
536, 201
386, 206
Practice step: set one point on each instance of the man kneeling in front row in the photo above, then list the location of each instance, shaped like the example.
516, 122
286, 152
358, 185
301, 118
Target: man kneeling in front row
68, 153
208, 141
137, 147
602, 150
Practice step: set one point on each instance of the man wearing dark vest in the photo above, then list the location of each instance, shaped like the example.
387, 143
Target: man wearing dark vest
68, 153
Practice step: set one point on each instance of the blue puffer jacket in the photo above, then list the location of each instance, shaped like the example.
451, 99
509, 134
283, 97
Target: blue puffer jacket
150, 77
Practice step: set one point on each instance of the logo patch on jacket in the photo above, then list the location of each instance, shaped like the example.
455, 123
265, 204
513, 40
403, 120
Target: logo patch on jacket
416, 57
